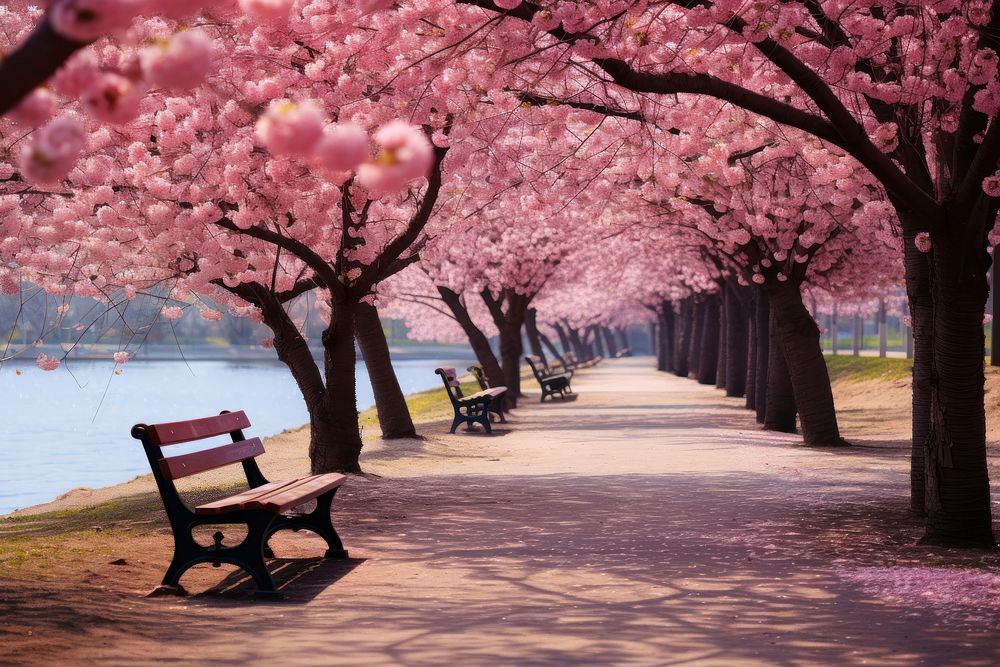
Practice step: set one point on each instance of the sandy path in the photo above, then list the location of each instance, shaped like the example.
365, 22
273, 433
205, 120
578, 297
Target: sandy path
647, 523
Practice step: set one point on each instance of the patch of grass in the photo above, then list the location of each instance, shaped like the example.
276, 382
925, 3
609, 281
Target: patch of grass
425, 406
860, 369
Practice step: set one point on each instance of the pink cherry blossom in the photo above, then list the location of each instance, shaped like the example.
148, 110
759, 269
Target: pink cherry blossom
923, 242
47, 363
343, 147
266, 9
53, 149
36, 108
370, 6
121, 357
181, 63
210, 315
406, 154
991, 185
287, 128
112, 98
86, 20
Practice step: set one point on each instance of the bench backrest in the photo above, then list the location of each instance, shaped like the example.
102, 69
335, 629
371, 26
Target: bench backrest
451, 384
534, 363
477, 372
166, 469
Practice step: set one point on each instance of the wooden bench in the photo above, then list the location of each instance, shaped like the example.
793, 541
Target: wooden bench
551, 383
471, 409
265, 508
498, 394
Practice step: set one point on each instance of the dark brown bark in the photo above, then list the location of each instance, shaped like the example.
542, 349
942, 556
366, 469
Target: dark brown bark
531, 329
921, 305
957, 482
762, 321
751, 368
577, 344
609, 341
994, 338
709, 352
683, 339
32, 63
594, 338
393, 413
697, 331
508, 311
665, 336
478, 341
335, 438
721, 367
551, 348
800, 341
564, 341
780, 409
736, 340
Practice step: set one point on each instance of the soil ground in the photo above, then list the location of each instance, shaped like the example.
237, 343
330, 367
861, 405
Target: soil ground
648, 522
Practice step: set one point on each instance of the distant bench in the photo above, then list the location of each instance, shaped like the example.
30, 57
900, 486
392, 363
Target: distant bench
265, 508
551, 382
497, 394
474, 408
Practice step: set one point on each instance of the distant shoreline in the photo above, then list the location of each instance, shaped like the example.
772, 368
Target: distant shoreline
234, 353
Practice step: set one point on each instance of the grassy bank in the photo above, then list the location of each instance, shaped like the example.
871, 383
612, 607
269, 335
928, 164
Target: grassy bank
861, 369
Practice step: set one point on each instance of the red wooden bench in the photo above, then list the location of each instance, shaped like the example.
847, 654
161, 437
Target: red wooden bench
265, 508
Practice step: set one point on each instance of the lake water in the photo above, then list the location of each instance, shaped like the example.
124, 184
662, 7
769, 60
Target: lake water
62, 431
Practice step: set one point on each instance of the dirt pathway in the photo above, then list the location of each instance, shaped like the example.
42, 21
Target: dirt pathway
649, 522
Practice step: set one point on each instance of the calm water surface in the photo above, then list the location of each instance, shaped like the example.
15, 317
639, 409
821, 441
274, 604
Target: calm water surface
62, 431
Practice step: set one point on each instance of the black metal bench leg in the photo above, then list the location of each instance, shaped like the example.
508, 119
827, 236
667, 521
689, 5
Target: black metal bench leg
457, 422
319, 521
250, 556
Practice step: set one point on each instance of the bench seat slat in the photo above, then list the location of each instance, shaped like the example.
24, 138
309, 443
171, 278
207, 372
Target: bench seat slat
176, 467
492, 392
174, 433
276, 496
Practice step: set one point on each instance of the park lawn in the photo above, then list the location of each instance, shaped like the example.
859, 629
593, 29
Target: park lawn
861, 369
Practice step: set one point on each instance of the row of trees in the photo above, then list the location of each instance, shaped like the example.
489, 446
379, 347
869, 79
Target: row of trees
561, 165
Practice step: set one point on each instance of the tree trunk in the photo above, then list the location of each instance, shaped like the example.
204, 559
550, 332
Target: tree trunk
577, 344
623, 337
709, 352
683, 340
720, 361
957, 482
594, 338
751, 353
531, 328
994, 339
335, 439
510, 356
697, 330
551, 348
917, 269
736, 341
799, 337
393, 413
564, 341
478, 341
780, 409
666, 332
609, 340
762, 320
